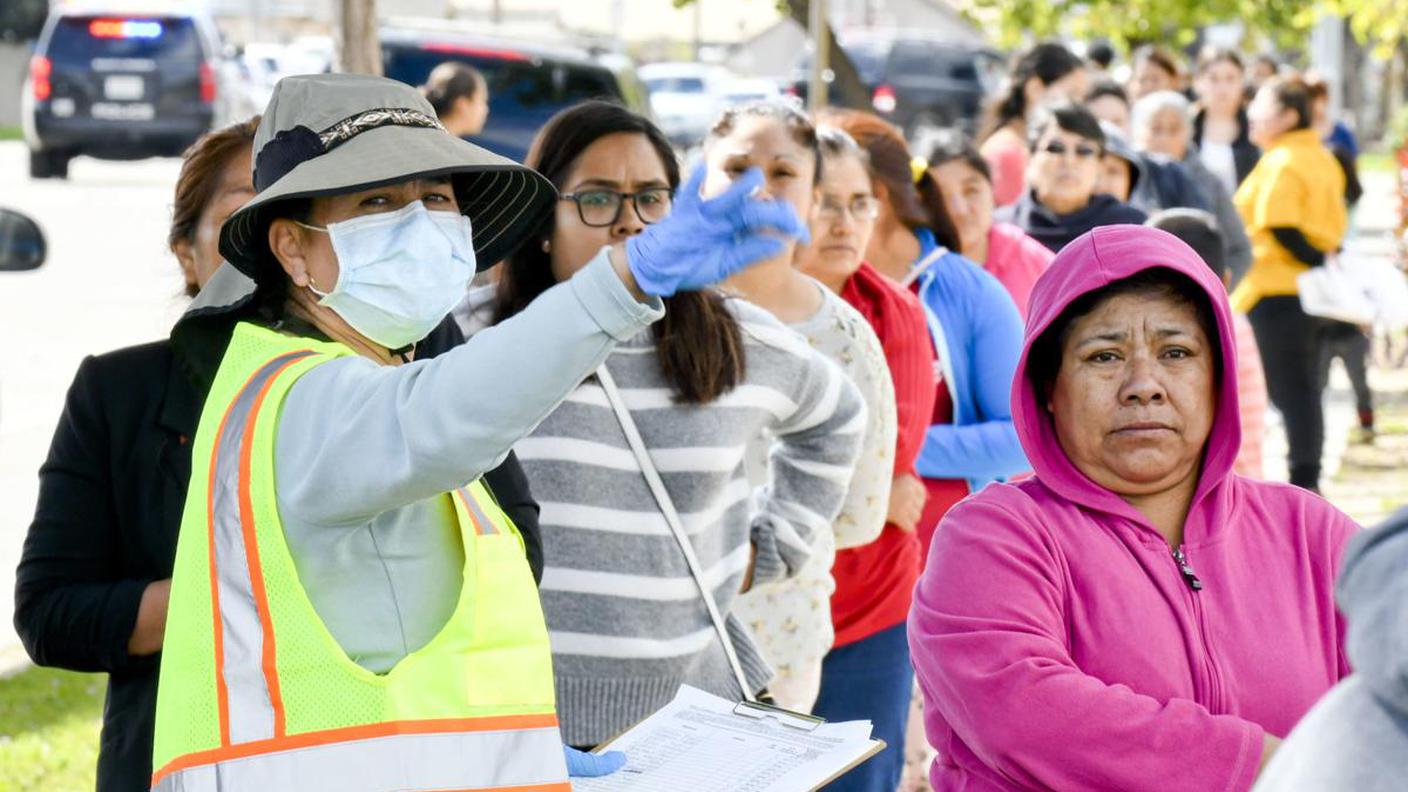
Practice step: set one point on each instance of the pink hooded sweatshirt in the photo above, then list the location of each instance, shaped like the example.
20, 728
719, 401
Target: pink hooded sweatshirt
1059, 645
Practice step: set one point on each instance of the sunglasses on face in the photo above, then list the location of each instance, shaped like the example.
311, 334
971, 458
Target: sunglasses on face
1057, 148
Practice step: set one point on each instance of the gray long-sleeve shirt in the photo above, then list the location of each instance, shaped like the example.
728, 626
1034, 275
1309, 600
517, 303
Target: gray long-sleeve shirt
364, 452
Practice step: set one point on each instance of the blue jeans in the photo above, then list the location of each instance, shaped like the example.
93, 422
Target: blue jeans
871, 679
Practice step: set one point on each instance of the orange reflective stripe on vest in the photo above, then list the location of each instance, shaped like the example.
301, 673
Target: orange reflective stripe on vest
483, 526
248, 683
491, 753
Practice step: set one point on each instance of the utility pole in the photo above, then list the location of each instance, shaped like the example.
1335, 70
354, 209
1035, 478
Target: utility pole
821, 56
358, 49
698, 28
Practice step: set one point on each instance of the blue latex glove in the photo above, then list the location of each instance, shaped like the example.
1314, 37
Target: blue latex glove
585, 765
702, 242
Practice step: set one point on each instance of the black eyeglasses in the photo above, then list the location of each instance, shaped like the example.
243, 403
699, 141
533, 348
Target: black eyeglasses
1082, 150
601, 208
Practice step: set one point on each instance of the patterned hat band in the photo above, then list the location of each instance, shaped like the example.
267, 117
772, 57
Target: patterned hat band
293, 147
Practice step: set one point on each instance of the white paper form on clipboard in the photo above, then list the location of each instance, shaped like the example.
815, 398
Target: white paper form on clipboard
702, 743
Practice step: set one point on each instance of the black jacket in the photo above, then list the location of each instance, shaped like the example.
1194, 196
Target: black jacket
1055, 231
111, 495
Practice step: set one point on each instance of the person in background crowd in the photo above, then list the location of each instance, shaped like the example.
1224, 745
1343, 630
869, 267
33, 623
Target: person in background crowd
1114, 621
913, 221
1162, 128
95, 575
1062, 200
1356, 737
1014, 258
1155, 69
973, 322
867, 675
1220, 128
790, 619
1047, 72
1098, 56
1348, 342
1336, 133
1148, 182
1294, 210
1108, 102
1265, 67
1199, 231
625, 617
460, 95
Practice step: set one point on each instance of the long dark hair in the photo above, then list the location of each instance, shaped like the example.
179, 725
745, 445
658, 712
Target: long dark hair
1048, 61
918, 203
698, 344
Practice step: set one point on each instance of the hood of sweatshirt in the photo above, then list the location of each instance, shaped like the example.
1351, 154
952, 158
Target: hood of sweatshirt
1373, 595
1092, 261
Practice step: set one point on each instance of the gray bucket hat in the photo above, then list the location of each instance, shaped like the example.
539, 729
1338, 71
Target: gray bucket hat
327, 134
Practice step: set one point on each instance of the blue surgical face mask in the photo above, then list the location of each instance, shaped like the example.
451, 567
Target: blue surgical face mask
399, 273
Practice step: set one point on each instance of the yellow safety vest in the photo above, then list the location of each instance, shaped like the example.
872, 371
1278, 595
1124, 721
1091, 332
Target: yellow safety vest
255, 694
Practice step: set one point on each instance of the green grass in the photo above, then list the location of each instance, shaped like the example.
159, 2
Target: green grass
11, 133
1377, 162
49, 723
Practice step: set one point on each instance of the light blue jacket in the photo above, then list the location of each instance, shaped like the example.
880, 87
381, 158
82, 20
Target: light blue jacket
978, 334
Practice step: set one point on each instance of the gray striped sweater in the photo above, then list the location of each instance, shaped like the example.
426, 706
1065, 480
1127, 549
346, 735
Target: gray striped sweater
626, 620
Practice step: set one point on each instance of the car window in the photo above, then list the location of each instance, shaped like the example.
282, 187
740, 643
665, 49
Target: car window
676, 84
79, 40
963, 69
912, 59
584, 83
512, 79
868, 57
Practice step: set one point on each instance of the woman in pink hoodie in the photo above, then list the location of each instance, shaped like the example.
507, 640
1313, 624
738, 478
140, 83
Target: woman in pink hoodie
1135, 616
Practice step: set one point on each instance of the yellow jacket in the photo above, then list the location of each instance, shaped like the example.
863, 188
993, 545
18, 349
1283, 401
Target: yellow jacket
1297, 184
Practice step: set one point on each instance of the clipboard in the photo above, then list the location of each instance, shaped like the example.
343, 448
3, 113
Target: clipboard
709, 744
876, 747
804, 722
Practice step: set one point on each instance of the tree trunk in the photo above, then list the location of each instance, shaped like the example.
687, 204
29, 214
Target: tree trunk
358, 47
847, 89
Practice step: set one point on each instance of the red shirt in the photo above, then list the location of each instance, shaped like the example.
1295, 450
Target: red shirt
943, 493
874, 583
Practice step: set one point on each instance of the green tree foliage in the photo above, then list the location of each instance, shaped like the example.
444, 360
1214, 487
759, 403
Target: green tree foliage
1176, 22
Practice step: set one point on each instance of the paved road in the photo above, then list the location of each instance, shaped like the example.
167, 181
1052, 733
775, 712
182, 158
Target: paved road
109, 282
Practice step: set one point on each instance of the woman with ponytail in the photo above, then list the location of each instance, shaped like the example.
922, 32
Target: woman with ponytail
460, 95
627, 621
1047, 72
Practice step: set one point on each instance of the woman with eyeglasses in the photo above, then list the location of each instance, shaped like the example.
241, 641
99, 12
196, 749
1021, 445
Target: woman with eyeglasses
1062, 199
973, 323
791, 619
626, 617
867, 674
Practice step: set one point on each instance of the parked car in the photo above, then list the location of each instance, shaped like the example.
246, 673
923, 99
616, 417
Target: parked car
119, 86
685, 97
919, 84
527, 83
742, 90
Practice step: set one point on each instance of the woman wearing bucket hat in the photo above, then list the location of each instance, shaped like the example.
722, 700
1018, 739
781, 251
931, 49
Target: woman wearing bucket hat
349, 606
